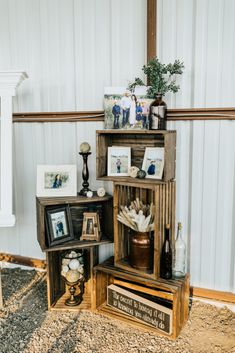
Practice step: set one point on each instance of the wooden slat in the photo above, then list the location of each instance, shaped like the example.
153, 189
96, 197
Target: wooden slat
151, 29
23, 260
156, 293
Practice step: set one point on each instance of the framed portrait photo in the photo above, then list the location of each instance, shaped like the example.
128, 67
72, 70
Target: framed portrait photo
119, 161
59, 225
56, 180
91, 226
153, 163
126, 110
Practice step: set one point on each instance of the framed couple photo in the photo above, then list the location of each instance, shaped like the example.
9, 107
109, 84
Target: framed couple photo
153, 163
59, 225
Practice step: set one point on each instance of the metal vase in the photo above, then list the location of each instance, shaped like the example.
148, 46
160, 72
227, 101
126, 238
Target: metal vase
140, 254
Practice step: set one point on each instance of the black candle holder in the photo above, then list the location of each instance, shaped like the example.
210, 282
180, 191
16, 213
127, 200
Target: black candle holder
85, 174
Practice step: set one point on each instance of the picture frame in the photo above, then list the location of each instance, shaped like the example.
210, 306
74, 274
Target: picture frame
91, 226
125, 109
153, 163
56, 180
119, 161
59, 225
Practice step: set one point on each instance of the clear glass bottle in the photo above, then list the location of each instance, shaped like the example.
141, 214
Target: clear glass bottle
179, 260
166, 256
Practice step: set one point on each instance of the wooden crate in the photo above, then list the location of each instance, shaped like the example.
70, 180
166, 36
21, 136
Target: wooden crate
162, 195
77, 205
57, 290
137, 140
172, 293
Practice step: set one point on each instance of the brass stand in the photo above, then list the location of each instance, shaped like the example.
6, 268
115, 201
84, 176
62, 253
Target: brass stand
75, 300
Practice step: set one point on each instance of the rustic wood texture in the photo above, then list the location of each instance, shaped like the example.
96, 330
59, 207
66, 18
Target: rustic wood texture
163, 197
172, 114
57, 291
176, 292
151, 29
107, 225
23, 260
138, 140
212, 294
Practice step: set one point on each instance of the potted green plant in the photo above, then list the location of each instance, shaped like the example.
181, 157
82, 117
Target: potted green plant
161, 78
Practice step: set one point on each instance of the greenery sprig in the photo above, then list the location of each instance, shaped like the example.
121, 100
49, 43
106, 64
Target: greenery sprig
161, 78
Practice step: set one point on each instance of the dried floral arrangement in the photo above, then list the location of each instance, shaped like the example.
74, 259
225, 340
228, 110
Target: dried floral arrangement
138, 216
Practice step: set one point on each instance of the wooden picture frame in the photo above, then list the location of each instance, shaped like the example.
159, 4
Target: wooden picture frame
153, 163
59, 225
91, 226
56, 180
119, 161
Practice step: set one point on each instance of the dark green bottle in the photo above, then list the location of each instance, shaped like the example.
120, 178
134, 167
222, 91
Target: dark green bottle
166, 256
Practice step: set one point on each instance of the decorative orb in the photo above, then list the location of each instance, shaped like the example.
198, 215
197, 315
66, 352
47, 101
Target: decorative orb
81, 269
141, 174
133, 171
73, 254
65, 261
85, 147
74, 264
101, 192
89, 194
65, 268
72, 276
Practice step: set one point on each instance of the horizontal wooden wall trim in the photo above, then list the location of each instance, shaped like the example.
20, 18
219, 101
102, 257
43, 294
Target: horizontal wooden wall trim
173, 114
53, 117
212, 294
23, 260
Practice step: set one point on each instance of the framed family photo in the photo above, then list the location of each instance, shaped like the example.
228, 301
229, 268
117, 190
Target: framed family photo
124, 109
119, 161
91, 226
59, 226
153, 163
56, 180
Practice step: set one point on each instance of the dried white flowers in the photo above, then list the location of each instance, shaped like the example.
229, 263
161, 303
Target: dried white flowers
137, 216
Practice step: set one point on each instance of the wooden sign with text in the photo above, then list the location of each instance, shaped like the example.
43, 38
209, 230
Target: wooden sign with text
140, 308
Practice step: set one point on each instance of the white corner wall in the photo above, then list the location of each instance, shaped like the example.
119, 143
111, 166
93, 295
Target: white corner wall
71, 51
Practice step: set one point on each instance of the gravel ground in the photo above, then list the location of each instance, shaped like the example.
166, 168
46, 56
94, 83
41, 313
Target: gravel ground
26, 326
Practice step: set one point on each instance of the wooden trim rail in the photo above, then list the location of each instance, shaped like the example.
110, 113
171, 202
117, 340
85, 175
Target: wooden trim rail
23, 260
173, 115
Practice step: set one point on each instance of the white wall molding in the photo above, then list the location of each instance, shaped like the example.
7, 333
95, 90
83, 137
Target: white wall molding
9, 80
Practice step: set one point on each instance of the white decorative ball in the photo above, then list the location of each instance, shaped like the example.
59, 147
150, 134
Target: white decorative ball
101, 192
85, 147
133, 171
74, 264
65, 268
89, 194
72, 276
65, 261
81, 269
73, 254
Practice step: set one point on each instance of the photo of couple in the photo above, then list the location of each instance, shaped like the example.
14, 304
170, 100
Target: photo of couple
125, 109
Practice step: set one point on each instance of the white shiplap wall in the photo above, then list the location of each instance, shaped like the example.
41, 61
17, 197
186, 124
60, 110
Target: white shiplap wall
201, 33
71, 51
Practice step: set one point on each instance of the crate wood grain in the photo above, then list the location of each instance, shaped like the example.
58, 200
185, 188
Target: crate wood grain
103, 206
57, 290
138, 140
163, 197
174, 292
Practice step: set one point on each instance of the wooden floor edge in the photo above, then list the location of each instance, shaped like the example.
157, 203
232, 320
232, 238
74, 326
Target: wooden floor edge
23, 260
211, 294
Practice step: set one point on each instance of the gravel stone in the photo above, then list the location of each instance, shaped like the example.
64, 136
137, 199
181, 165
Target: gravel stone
26, 326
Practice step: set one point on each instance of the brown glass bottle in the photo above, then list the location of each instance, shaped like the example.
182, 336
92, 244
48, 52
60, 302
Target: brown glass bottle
158, 114
166, 256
